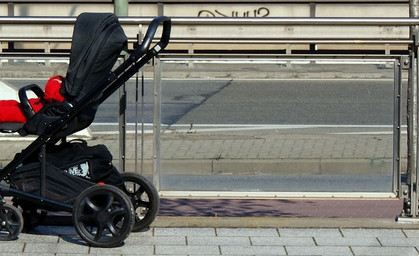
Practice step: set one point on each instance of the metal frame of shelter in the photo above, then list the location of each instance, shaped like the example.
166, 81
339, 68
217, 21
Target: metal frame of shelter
407, 190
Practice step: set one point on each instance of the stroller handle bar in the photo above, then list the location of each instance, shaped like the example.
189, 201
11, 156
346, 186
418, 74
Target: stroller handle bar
151, 31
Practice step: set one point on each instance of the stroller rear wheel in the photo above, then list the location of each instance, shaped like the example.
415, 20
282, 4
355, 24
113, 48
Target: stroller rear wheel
32, 216
144, 198
11, 222
103, 216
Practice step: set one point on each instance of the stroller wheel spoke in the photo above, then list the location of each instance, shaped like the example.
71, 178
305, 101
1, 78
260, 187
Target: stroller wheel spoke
91, 205
99, 233
113, 229
116, 212
109, 201
143, 205
139, 192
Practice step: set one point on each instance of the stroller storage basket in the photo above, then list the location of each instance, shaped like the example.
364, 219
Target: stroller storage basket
59, 186
93, 163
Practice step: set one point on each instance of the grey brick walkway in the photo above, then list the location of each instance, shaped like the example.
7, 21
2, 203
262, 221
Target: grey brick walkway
247, 152
225, 241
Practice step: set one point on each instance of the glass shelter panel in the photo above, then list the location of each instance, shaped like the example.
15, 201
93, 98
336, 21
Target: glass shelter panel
251, 126
272, 126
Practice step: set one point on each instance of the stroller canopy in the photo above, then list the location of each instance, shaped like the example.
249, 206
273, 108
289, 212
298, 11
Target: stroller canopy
97, 42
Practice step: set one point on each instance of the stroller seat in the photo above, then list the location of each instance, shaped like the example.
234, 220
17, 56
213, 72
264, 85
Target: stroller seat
97, 42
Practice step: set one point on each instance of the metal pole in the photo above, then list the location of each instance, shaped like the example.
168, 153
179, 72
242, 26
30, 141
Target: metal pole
121, 7
412, 125
157, 122
139, 39
122, 127
397, 128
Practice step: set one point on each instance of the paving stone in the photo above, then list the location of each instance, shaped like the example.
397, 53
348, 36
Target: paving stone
237, 241
348, 241
31, 254
411, 232
253, 250
319, 250
282, 241
184, 232
209, 255
40, 238
186, 250
55, 248
155, 240
247, 232
388, 251
10, 247
71, 239
372, 233
397, 241
125, 249
309, 232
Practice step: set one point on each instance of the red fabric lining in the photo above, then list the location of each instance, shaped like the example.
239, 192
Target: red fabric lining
11, 111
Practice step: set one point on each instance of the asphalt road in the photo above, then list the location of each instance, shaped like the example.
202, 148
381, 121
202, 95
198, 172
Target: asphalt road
330, 102
226, 101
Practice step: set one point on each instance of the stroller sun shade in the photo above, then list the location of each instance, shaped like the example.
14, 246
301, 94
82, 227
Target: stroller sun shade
98, 40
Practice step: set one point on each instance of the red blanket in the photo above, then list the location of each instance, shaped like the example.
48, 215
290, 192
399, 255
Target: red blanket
11, 111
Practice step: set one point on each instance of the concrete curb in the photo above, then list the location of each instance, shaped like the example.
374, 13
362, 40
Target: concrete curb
269, 222
267, 166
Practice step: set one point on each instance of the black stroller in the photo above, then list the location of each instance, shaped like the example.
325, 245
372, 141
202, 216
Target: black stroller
53, 174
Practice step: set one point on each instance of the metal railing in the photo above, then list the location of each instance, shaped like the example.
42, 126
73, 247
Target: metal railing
190, 33
402, 37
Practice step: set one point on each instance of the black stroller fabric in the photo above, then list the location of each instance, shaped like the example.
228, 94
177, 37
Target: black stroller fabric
71, 167
98, 40
93, 163
59, 186
97, 43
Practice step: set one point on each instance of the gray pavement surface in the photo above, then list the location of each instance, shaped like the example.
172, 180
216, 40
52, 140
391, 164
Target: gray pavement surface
258, 226
225, 241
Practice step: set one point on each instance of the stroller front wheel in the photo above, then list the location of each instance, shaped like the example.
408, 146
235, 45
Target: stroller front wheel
11, 222
103, 216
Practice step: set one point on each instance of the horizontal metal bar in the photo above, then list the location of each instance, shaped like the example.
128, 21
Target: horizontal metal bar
228, 40
50, 20
217, 56
226, 21
287, 41
295, 21
250, 194
36, 40
195, 1
272, 56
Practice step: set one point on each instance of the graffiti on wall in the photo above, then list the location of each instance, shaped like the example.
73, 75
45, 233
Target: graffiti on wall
260, 12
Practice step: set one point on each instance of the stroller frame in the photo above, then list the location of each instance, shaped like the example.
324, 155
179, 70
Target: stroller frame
10, 217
